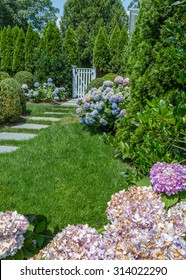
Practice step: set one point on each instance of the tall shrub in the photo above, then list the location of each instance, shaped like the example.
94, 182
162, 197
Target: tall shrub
19, 53
31, 43
3, 47
8, 59
71, 46
101, 55
114, 50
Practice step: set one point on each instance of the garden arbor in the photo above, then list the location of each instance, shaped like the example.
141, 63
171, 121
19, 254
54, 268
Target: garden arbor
81, 78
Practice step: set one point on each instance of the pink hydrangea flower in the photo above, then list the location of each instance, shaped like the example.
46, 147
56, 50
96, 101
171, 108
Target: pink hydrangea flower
168, 178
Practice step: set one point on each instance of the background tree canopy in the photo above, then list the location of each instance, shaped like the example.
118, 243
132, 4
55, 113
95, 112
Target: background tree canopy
86, 17
23, 12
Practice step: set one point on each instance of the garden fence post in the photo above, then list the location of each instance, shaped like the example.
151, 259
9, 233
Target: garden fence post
74, 81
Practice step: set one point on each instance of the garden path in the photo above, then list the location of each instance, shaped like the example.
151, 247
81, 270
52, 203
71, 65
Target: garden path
19, 136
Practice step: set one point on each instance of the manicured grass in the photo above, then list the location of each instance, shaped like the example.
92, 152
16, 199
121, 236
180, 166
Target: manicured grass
64, 173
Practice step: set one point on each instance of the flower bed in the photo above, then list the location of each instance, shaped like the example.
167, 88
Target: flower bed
103, 108
47, 92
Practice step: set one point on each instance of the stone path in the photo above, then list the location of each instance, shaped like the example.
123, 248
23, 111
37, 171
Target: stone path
16, 136
26, 136
44, 119
71, 102
30, 126
7, 149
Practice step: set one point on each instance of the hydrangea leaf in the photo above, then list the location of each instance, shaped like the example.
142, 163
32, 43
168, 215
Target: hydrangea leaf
144, 182
169, 200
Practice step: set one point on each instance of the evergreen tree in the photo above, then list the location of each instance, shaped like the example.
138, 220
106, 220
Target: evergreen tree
3, 48
114, 44
123, 50
101, 54
71, 46
86, 17
50, 56
8, 59
15, 32
31, 43
19, 53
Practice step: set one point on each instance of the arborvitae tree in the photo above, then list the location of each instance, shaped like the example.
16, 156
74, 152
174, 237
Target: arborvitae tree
71, 46
50, 54
115, 60
86, 17
8, 60
31, 43
0, 47
3, 47
19, 53
15, 32
123, 50
101, 54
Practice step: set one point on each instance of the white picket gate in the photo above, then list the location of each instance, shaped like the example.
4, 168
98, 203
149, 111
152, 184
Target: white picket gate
81, 79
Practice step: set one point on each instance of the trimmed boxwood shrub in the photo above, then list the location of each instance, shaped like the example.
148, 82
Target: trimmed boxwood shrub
18, 89
4, 75
10, 105
109, 77
96, 83
25, 77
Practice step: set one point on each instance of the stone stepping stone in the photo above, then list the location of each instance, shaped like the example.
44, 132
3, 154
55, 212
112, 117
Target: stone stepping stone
55, 113
44, 119
30, 126
16, 136
7, 149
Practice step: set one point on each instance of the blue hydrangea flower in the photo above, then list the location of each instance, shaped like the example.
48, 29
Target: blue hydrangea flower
113, 99
95, 114
114, 112
50, 80
103, 122
62, 89
86, 106
93, 106
99, 106
56, 91
114, 106
45, 85
121, 99
36, 85
82, 121
89, 119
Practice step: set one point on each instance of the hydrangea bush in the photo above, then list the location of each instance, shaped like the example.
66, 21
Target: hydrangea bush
12, 228
47, 92
74, 243
103, 108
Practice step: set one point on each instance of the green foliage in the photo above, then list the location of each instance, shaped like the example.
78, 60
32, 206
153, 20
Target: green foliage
114, 50
19, 53
31, 43
25, 77
51, 58
101, 55
86, 18
36, 237
21, 12
3, 47
7, 55
10, 106
134, 4
109, 77
71, 46
96, 83
17, 88
3, 75
157, 134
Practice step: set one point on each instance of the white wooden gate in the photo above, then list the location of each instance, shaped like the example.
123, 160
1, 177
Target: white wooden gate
81, 78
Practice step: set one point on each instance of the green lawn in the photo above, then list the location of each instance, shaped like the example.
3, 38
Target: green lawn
65, 174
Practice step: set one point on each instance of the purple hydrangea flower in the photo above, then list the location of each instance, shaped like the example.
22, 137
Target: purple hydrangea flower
119, 80
126, 81
113, 99
168, 178
122, 113
79, 111
74, 243
36, 85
